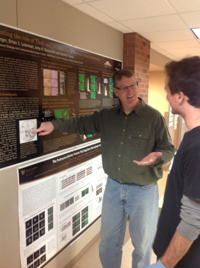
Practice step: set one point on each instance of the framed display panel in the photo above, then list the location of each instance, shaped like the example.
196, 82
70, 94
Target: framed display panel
41, 80
59, 198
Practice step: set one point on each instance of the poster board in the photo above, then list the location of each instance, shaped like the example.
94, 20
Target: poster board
41, 80
59, 199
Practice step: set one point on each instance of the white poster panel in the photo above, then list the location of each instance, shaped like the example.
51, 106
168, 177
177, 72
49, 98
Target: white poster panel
58, 199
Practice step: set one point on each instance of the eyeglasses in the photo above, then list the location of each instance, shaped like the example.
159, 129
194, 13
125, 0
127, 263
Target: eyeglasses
126, 87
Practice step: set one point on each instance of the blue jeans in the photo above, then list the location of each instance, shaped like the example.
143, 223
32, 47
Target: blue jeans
141, 204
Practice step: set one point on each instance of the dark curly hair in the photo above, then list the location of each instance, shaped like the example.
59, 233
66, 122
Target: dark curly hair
184, 75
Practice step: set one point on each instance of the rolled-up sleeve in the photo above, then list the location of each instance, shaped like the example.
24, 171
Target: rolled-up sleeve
189, 226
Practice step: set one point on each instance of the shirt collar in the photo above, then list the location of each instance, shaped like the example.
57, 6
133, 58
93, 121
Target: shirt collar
140, 108
137, 110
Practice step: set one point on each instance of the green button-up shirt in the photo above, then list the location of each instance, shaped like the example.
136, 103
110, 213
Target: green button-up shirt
125, 138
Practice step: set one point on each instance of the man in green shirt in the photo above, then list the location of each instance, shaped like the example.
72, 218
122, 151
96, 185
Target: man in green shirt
132, 130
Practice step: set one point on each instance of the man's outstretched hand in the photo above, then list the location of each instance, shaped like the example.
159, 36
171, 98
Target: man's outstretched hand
44, 129
148, 160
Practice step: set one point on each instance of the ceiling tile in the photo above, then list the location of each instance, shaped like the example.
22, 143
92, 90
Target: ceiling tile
165, 23
192, 19
161, 51
182, 55
72, 2
178, 57
169, 36
91, 0
119, 27
154, 46
155, 24
85, 8
186, 5
178, 44
184, 51
129, 9
172, 57
167, 54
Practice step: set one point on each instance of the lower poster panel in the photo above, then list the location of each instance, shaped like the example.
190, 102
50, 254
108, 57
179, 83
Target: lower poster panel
58, 199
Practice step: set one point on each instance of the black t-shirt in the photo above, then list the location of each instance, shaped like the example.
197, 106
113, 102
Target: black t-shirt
183, 179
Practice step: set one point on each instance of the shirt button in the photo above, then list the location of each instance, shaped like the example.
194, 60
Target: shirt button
122, 142
120, 181
124, 129
119, 155
126, 118
119, 168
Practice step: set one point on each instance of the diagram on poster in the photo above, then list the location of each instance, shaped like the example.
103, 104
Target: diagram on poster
25, 128
58, 199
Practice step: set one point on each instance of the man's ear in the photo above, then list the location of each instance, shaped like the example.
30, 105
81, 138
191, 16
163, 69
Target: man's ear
115, 90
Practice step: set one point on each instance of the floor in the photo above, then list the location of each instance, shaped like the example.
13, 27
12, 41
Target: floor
91, 258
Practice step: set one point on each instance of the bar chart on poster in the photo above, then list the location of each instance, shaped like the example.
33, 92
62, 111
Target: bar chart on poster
41, 80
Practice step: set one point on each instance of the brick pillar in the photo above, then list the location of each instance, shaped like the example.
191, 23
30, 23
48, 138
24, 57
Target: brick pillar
136, 57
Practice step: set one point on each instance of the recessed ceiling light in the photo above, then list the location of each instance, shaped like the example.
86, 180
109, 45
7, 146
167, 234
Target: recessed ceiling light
196, 31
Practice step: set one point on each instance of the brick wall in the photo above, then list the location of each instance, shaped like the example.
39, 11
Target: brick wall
136, 57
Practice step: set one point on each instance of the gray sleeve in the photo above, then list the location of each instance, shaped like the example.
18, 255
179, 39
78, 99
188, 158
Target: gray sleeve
189, 226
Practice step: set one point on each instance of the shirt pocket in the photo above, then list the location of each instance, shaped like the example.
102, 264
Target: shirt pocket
139, 142
139, 136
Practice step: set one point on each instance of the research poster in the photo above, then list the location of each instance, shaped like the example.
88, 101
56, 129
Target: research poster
59, 199
41, 80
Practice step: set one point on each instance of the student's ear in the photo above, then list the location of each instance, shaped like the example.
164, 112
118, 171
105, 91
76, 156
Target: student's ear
181, 97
